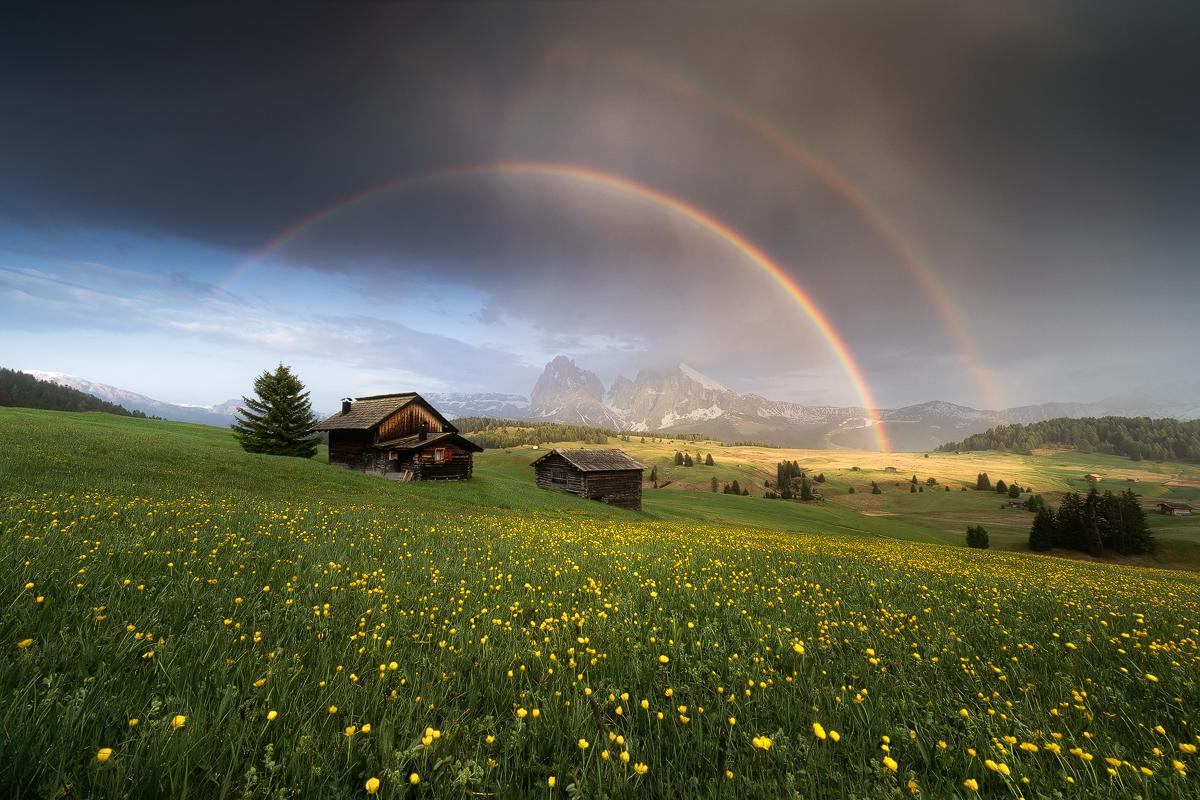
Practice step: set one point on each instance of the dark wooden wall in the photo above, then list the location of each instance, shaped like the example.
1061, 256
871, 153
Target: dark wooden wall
622, 488
555, 472
348, 448
458, 464
407, 421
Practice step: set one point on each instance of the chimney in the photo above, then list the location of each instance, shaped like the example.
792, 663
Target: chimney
346, 401
424, 431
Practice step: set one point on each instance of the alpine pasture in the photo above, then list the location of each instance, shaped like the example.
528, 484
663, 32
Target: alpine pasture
185, 619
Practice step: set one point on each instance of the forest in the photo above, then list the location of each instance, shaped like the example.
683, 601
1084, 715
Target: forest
26, 391
1133, 437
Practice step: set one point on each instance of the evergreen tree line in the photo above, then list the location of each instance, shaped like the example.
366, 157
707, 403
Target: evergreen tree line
1093, 524
25, 391
496, 434
1013, 490
686, 460
1132, 437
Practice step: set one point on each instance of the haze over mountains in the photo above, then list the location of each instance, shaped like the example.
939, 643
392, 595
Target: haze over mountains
684, 400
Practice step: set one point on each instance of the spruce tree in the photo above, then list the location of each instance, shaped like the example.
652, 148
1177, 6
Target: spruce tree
1014, 491
278, 420
1134, 525
875, 488
977, 536
983, 483
1042, 534
715, 483
678, 458
708, 461
805, 489
687, 460
1001, 487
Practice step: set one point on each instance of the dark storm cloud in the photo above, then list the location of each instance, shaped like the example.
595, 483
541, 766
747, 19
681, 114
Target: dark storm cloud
1016, 145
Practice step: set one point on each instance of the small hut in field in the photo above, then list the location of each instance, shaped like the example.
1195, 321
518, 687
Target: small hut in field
609, 476
399, 436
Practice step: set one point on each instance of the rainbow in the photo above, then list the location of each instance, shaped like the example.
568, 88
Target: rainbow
615, 183
906, 251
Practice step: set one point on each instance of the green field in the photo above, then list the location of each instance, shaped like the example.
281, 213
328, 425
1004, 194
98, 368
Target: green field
279, 628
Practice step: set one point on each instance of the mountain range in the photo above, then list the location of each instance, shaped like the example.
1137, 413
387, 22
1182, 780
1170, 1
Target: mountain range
684, 400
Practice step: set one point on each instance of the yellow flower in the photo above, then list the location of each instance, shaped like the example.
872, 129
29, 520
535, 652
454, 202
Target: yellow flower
333, 709
837, 737
134, 722
799, 648
271, 715
414, 778
1184, 747
350, 730
818, 731
372, 785
24, 643
962, 712
178, 721
971, 784
640, 768
522, 713
365, 728
762, 742
1151, 678
583, 744
551, 781
663, 659
104, 754
890, 763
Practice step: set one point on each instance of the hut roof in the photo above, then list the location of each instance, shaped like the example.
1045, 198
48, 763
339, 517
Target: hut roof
595, 460
367, 412
415, 441
1173, 504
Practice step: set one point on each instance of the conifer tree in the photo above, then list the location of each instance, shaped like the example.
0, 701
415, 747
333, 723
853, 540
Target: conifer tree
1041, 535
1001, 487
977, 536
678, 458
983, 483
715, 483
708, 460
805, 489
687, 460
735, 489
912, 488
1014, 491
875, 488
278, 420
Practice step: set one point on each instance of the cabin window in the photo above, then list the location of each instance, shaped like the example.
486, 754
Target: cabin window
393, 455
439, 455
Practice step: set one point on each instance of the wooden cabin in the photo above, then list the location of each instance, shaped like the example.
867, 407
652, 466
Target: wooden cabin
609, 476
399, 436
1173, 509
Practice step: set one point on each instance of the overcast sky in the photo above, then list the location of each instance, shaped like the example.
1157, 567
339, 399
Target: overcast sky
1040, 162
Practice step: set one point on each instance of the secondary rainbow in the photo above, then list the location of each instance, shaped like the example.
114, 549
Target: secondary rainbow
616, 183
906, 251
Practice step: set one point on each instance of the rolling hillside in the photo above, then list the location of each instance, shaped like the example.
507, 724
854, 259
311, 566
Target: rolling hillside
186, 619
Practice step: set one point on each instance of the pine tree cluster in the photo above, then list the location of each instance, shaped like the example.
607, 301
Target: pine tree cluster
1093, 524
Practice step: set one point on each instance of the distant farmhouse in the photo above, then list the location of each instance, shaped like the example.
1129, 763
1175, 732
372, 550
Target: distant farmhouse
1173, 509
399, 436
609, 476
1093, 477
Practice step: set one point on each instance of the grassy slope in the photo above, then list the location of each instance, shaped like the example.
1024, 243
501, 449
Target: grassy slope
152, 526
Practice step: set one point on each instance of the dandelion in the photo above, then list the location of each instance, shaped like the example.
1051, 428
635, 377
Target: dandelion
1185, 747
551, 781
819, 731
271, 715
104, 754
372, 785
837, 737
583, 744
640, 768
24, 644
972, 785
1151, 678
761, 742
663, 659
332, 710
178, 721
414, 778
890, 763
133, 723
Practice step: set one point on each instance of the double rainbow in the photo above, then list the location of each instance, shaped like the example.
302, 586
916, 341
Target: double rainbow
615, 183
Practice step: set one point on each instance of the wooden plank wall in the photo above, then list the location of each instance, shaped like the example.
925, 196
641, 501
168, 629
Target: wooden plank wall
622, 489
407, 421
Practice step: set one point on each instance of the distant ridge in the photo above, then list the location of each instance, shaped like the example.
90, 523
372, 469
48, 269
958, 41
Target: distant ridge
26, 391
220, 415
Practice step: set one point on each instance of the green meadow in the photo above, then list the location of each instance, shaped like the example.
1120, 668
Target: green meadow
183, 619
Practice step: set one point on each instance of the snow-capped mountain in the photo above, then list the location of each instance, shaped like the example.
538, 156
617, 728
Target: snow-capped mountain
220, 415
566, 393
484, 404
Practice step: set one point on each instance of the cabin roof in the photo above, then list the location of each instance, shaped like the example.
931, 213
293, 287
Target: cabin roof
367, 412
415, 442
1174, 504
611, 460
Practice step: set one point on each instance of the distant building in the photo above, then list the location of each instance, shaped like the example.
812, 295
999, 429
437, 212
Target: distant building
1173, 509
1017, 504
1092, 477
609, 476
399, 436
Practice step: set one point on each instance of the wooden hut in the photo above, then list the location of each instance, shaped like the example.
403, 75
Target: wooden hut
609, 476
399, 436
1174, 509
